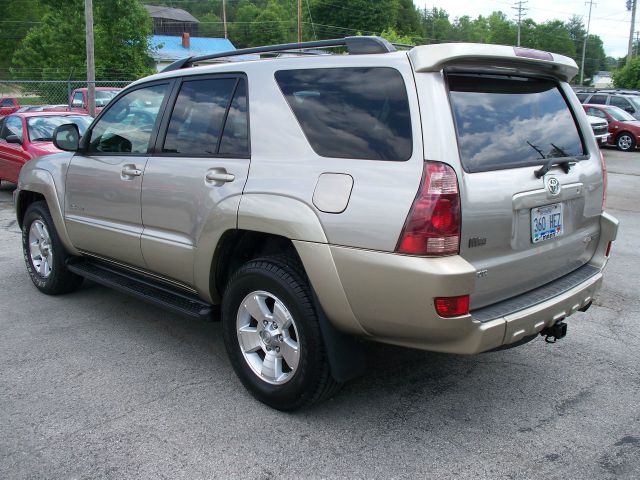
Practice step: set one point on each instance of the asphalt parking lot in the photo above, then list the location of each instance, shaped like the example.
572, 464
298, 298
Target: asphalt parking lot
97, 385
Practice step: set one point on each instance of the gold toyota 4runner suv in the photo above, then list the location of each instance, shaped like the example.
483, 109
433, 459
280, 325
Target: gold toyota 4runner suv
448, 197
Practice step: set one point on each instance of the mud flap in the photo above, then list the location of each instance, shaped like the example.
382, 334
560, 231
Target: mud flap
346, 353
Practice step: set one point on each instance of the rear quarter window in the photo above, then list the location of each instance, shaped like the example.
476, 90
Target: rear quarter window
357, 113
509, 122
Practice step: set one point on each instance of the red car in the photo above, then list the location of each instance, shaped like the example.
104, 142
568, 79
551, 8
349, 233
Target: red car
623, 127
78, 99
8, 105
27, 135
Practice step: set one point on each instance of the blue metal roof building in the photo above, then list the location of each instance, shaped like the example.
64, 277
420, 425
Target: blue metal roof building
166, 49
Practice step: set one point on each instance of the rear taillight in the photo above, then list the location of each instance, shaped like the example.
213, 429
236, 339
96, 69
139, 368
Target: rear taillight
433, 224
452, 306
604, 181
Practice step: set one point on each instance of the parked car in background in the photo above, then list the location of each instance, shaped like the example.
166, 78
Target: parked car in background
8, 105
629, 102
600, 129
27, 135
78, 100
624, 129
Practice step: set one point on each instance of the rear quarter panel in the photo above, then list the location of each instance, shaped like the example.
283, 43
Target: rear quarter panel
283, 162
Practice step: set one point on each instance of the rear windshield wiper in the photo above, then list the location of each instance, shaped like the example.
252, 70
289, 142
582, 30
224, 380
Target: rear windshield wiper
563, 163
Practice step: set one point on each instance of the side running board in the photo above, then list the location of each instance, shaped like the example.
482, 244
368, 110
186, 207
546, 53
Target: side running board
143, 288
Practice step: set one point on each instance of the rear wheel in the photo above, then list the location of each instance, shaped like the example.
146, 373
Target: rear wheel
44, 253
272, 335
626, 142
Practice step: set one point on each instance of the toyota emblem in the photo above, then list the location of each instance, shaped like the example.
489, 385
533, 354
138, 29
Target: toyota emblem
553, 185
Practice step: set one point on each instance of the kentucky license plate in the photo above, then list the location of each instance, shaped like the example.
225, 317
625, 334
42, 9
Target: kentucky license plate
546, 222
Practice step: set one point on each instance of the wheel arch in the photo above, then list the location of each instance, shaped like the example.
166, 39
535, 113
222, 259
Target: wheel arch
36, 185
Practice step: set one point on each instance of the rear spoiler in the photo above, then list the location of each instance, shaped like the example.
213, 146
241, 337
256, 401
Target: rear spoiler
434, 58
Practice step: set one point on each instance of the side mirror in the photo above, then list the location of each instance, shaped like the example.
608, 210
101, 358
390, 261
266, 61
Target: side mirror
630, 110
13, 139
67, 137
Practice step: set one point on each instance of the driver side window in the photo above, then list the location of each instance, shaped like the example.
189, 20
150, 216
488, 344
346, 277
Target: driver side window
126, 127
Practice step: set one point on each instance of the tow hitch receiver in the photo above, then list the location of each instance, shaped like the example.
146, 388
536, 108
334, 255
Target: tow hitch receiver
555, 332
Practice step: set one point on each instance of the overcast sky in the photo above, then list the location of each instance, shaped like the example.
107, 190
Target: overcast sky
609, 18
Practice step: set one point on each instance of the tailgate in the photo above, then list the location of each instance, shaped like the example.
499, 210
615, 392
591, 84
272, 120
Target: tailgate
520, 231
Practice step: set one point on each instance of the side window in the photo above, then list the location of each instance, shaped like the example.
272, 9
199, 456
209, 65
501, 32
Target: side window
6, 102
235, 138
77, 100
582, 97
126, 127
13, 126
359, 113
197, 119
623, 103
598, 99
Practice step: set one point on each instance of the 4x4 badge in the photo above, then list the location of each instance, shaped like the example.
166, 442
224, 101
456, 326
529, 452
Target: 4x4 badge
553, 185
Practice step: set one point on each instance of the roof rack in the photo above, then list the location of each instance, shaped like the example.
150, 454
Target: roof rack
355, 46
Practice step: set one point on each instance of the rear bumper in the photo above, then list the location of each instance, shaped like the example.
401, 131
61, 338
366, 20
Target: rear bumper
391, 298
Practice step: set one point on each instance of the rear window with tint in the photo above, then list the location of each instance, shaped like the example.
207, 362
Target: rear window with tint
509, 122
360, 113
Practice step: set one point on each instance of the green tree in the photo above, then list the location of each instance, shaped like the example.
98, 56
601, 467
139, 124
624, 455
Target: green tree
269, 28
56, 47
436, 25
629, 75
501, 30
348, 17
16, 19
467, 30
394, 37
407, 18
210, 25
552, 36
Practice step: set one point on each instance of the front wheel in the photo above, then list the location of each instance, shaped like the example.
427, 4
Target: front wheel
44, 253
626, 142
273, 337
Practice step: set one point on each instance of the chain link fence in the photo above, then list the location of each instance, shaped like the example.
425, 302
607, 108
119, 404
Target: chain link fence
49, 92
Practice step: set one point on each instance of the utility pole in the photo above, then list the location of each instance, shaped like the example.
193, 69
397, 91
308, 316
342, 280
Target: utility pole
224, 17
631, 5
299, 21
91, 67
520, 9
637, 43
584, 45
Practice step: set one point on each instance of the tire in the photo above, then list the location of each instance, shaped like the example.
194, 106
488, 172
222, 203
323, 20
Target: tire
296, 380
625, 142
48, 273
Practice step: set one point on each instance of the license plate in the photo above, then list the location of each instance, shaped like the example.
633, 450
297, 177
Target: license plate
546, 222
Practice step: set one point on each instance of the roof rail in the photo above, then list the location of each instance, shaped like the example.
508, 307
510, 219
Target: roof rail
355, 46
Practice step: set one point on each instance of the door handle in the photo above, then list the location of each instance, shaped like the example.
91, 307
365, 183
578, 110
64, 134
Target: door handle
131, 171
223, 177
